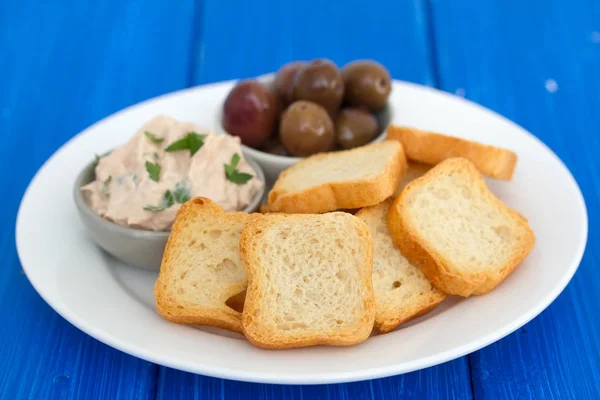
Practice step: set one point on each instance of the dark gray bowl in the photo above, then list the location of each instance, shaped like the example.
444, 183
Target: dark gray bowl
138, 247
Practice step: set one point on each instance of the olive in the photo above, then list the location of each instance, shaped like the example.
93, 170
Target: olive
306, 128
250, 112
321, 82
284, 79
274, 146
367, 84
355, 127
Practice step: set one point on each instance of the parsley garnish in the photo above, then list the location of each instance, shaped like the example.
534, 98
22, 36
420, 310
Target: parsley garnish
166, 202
153, 170
153, 138
180, 194
96, 160
232, 174
192, 142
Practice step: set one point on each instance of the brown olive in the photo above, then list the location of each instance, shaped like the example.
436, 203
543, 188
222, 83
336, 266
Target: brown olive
367, 83
250, 112
284, 79
306, 129
321, 82
355, 127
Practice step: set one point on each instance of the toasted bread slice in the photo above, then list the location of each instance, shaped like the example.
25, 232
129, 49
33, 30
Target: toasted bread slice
263, 208
346, 179
414, 171
433, 148
309, 280
465, 240
201, 267
401, 289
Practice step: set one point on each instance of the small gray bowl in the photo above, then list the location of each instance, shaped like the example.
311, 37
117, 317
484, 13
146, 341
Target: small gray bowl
138, 247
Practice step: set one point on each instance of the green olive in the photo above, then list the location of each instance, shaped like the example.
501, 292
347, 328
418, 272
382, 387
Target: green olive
355, 127
367, 83
306, 128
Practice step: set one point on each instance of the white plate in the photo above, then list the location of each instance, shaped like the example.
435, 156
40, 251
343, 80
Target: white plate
113, 302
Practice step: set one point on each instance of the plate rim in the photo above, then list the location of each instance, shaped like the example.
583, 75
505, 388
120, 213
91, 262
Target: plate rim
359, 374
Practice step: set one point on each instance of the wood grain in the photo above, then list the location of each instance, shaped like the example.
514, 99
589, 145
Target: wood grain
63, 66
445, 381
537, 65
243, 39
66, 65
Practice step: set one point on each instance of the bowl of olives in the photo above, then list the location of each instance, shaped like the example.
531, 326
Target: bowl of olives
308, 107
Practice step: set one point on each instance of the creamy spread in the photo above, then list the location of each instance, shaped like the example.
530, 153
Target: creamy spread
125, 192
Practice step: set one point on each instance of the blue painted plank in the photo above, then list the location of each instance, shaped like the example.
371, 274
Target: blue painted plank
445, 381
248, 38
245, 39
64, 65
538, 65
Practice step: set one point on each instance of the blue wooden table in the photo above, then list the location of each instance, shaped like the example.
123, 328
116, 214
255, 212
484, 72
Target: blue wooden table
66, 64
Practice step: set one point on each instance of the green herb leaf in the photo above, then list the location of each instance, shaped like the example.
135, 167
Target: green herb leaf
240, 178
166, 202
153, 170
235, 160
192, 142
105, 187
155, 155
153, 138
181, 144
96, 160
232, 174
196, 141
168, 199
154, 208
181, 193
